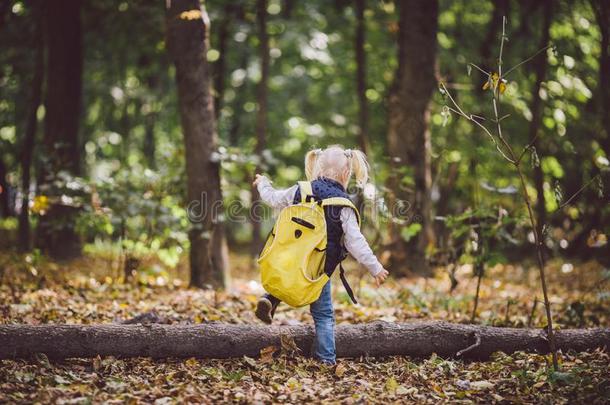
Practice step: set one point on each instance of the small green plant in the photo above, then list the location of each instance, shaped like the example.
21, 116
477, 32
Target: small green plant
496, 83
477, 234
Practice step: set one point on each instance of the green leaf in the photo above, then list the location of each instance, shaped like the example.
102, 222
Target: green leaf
409, 232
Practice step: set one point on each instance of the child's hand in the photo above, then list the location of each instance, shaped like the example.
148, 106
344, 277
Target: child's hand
380, 278
258, 179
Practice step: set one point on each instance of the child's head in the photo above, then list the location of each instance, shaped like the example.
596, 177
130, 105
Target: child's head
338, 164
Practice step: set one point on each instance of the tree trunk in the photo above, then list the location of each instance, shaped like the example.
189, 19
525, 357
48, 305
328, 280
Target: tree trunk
238, 102
261, 116
540, 65
409, 134
150, 144
61, 147
602, 14
29, 140
363, 112
224, 32
5, 201
187, 43
217, 340
150, 118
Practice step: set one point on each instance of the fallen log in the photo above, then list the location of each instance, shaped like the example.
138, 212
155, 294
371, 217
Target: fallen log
219, 340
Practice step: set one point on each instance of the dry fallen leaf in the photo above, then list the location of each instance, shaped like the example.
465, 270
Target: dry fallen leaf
340, 370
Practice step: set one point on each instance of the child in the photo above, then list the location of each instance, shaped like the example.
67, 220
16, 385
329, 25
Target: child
329, 171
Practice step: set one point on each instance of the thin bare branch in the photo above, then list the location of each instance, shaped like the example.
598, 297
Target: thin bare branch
529, 145
460, 86
476, 344
527, 60
502, 40
480, 69
471, 117
500, 136
580, 190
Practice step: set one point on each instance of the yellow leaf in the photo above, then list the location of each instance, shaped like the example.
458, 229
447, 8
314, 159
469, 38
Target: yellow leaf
391, 385
597, 239
495, 83
502, 87
40, 204
190, 15
192, 362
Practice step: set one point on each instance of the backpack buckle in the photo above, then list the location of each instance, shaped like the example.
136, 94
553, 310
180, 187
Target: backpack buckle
311, 198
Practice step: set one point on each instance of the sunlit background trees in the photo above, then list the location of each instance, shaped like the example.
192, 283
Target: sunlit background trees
93, 158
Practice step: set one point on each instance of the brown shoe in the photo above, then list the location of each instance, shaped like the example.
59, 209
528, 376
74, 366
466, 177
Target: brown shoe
264, 310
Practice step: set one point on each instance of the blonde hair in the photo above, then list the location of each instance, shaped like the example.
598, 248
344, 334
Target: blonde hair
333, 161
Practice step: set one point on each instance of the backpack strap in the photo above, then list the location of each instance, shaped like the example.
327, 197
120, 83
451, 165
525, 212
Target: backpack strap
342, 202
346, 285
306, 191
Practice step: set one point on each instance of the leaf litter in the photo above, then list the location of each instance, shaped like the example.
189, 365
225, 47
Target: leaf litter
281, 374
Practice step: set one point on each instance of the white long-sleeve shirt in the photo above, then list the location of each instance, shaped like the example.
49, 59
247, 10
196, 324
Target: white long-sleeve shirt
354, 240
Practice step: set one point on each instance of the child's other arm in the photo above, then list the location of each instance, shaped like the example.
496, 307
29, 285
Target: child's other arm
358, 247
274, 198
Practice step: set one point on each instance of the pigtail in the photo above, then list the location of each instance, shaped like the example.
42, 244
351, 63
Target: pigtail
360, 167
311, 159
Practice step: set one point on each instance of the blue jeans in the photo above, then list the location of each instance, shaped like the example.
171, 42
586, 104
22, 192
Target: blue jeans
323, 315
324, 319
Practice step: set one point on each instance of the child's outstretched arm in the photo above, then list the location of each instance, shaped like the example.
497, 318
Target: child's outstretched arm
358, 247
274, 198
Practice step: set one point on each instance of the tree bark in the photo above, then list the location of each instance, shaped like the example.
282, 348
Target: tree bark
61, 147
238, 102
5, 202
288, 8
224, 32
187, 35
29, 140
261, 116
149, 146
602, 15
363, 111
409, 134
217, 340
540, 65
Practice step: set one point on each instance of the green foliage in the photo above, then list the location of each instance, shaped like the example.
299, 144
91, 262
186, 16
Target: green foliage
133, 153
410, 231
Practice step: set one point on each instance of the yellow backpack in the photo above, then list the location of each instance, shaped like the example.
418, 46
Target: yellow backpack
292, 260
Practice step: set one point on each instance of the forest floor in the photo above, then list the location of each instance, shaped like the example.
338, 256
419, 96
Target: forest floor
35, 291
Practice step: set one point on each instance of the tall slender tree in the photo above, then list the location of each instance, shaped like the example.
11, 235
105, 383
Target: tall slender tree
602, 15
5, 204
540, 65
31, 126
223, 36
151, 79
238, 102
409, 134
61, 146
363, 111
187, 40
261, 113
